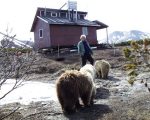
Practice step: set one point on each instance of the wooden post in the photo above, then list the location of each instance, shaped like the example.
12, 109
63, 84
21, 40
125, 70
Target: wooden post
58, 51
107, 36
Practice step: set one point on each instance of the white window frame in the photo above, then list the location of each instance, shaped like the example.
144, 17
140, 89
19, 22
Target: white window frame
53, 14
41, 12
40, 33
85, 30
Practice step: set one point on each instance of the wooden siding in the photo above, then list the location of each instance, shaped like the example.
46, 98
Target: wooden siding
65, 35
45, 41
92, 35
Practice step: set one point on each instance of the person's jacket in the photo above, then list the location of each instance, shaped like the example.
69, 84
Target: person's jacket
81, 49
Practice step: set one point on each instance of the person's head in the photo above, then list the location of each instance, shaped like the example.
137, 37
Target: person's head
83, 37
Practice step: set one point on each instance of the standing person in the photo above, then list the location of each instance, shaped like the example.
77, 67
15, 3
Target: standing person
85, 50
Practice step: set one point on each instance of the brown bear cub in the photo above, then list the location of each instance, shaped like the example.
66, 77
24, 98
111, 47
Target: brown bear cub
102, 68
71, 86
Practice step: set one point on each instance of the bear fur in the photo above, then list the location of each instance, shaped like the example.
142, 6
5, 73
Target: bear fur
102, 68
71, 86
90, 71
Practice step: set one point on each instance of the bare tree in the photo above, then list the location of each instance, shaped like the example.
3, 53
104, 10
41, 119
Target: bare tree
14, 63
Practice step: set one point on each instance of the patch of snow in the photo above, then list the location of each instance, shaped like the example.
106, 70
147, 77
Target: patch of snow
29, 92
138, 87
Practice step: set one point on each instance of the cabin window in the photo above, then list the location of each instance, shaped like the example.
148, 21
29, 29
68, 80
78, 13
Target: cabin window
42, 13
63, 15
48, 14
84, 30
81, 16
41, 33
53, 14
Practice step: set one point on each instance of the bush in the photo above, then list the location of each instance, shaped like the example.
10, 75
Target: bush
137, 55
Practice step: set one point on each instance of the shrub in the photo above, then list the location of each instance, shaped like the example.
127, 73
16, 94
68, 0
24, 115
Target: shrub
137, 56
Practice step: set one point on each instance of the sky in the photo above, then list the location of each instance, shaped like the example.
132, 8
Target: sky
16, 16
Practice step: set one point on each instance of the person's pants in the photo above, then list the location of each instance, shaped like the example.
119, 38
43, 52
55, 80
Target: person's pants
85, 58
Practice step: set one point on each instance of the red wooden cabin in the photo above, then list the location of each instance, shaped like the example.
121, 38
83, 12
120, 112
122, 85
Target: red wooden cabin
56, 27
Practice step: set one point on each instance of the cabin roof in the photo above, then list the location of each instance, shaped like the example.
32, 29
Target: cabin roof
57, 10
66, 21
63, 21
